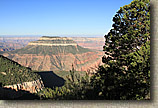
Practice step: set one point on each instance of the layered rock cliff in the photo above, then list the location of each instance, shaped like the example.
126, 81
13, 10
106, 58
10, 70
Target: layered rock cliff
15, 78
82, 62
20, 42
32, 86
56, 53
53, 41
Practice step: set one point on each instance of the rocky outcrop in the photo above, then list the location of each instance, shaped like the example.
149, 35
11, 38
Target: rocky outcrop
56, 54
53, 41
48, 44
96, 43
81, 62
19, 42
32, 86
46, 38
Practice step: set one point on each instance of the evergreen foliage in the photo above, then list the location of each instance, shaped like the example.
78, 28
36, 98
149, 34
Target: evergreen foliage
76, 87
130, 82
126, 73
131, 29
13, 73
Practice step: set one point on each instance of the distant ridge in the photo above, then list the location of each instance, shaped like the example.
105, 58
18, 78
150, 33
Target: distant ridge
53, 41
52, 45
55, 54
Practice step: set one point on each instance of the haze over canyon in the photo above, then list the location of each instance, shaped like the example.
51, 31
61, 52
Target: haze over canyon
58, 53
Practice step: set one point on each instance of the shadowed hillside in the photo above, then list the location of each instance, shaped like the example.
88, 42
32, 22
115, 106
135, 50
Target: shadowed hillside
50, 79
10, 94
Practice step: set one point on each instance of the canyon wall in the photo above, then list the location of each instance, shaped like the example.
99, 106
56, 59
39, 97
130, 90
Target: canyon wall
48, 44
19, 42
56, 53
32, 86
81, 62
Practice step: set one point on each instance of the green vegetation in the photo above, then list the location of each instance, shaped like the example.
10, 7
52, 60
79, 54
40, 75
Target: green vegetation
76, 87
64, 74
12, 73
126, 72
128, 82
51, 50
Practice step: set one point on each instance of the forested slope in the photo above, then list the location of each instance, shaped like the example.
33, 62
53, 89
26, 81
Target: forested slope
13, 73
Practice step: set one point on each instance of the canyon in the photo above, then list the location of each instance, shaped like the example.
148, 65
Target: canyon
48, 56
13, 43
56, 53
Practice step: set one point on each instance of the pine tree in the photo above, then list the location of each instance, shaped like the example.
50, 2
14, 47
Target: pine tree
131, 29
126, 73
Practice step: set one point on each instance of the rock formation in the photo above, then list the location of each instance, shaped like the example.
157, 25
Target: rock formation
32, 86
16, 77
56, 53
96, 43
20, 42
53, 41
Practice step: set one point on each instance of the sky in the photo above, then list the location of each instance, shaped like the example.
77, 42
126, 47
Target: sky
58, 17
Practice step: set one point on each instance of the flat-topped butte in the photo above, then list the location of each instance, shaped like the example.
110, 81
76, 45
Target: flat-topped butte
53, 41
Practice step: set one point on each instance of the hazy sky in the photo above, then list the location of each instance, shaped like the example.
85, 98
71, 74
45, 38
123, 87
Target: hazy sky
58, 17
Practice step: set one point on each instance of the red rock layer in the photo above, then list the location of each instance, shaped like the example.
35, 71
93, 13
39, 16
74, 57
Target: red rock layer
81, 62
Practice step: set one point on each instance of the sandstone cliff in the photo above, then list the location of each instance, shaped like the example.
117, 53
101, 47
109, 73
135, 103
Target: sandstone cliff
32, 86
20, 42
53, 41
56, 53
82, 62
